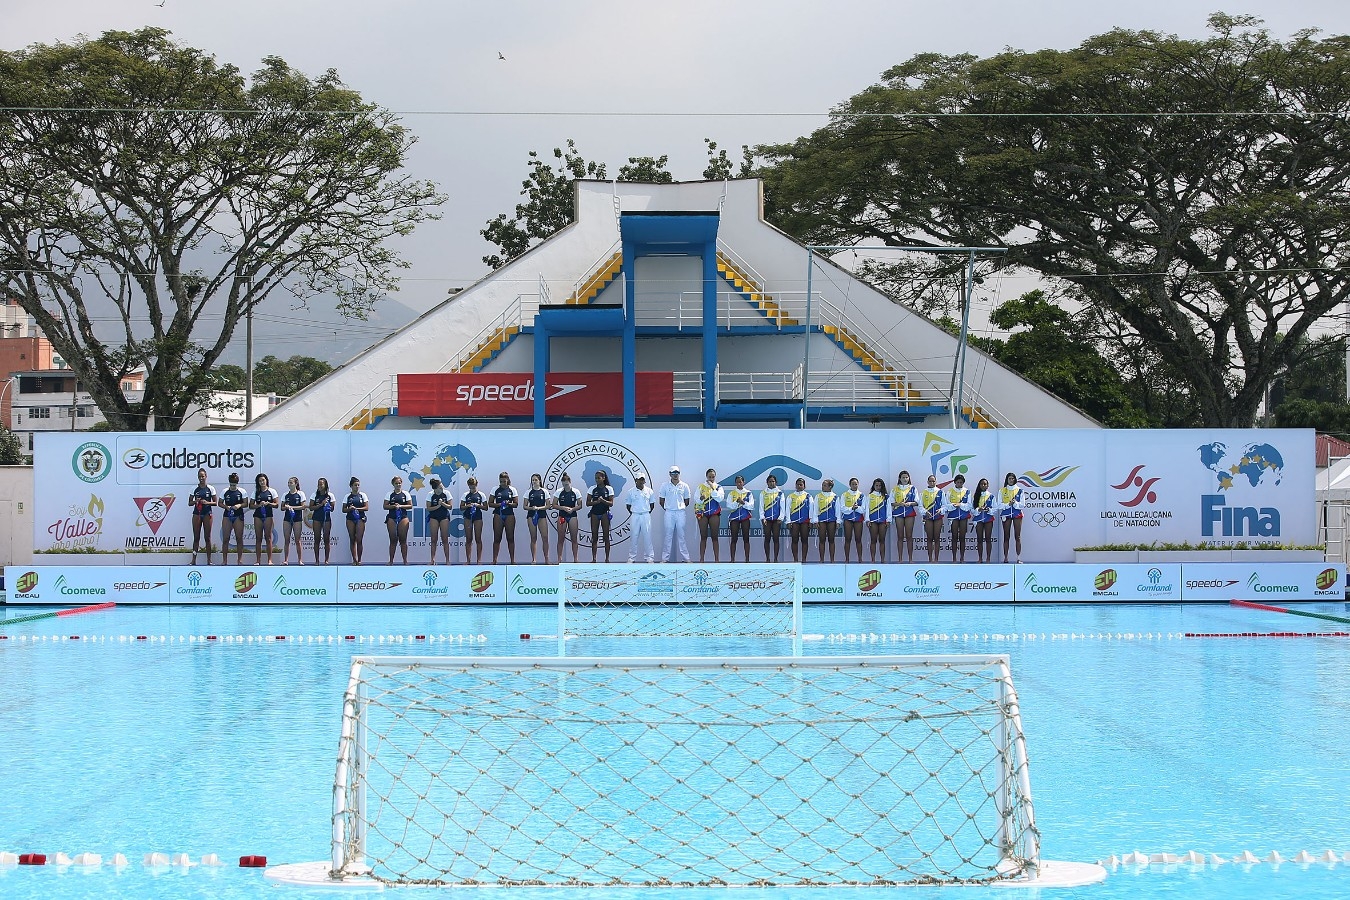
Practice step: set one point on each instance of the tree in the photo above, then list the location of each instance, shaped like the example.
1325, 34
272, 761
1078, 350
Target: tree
287, 376
1194, 191
1058, 351
11, 449
549, 206
719, 164
143, 181
229, 377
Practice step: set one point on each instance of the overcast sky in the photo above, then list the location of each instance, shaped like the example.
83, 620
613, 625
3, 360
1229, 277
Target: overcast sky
736, 71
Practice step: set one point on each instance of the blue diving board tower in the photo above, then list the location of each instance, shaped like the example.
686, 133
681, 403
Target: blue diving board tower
641, 234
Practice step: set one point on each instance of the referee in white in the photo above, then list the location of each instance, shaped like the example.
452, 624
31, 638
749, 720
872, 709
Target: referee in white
675, 497
639, 502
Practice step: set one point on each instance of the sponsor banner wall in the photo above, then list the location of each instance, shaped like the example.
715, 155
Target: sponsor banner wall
1272, 583
254, 584
1081, 487
1131, 582
1222, 487
87, 585
533, 584
381, 585
1060, 474
930, 584
376, 585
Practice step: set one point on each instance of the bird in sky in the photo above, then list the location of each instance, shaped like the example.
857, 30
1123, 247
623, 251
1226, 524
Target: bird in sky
499, 53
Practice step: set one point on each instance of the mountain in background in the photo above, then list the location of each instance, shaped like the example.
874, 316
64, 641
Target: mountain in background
323, 335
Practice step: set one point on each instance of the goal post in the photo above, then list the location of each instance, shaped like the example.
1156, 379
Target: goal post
685, 771
716, 600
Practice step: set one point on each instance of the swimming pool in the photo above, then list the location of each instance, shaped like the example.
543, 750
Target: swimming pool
1140, 739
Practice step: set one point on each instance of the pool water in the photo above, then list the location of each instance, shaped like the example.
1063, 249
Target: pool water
1140, 739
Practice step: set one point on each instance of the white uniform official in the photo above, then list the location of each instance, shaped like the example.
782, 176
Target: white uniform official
639, 501
675, 498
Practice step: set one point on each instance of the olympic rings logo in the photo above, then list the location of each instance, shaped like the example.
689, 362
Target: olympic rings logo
1048, 519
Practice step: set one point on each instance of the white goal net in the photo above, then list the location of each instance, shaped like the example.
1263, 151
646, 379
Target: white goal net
688, 771
748, 600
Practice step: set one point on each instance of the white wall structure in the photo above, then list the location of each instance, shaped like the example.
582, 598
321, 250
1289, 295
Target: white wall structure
16, 514
768, 339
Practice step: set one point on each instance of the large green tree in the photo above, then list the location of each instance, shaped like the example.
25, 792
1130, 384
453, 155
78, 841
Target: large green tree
144, 182
1194, 192
287, 376
549, 189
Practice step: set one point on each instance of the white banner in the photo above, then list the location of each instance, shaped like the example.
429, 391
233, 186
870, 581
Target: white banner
539, 585
1131, 582
87, 585
422, 584
990, 583
1272, 583
1081, 487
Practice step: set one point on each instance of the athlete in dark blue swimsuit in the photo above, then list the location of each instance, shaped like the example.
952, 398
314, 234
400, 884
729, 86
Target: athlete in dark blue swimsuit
265, 503
204, 502
397, 517
567, 502
536, 515
355, 508
472, 505
293, 522
504, 503
321, 512
438, 519
234, 502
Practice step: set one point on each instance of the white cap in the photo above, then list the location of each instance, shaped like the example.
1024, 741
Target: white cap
674, 470
639, 476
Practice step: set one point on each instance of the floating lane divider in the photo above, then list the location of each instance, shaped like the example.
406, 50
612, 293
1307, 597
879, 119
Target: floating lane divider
284, 639
1267, 634
1247, 604
119, 860
1245, 859
60, 613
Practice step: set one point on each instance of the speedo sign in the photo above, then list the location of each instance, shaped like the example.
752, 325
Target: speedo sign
175, 457
514, 394
1263, 582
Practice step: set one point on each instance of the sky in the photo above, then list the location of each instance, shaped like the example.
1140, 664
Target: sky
620, 78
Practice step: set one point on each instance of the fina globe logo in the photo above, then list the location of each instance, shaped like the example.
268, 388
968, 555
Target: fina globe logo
521, 589
91, 462
1259, 467
27, 584
281, 588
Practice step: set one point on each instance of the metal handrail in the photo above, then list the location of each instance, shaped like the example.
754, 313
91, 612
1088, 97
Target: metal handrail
685, 310
385, 394
743, 267
591, 273
514, 315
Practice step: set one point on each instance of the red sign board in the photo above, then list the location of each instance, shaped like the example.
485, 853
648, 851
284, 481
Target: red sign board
513, 394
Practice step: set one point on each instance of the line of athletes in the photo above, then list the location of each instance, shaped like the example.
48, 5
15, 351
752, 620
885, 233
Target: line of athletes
902, 505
